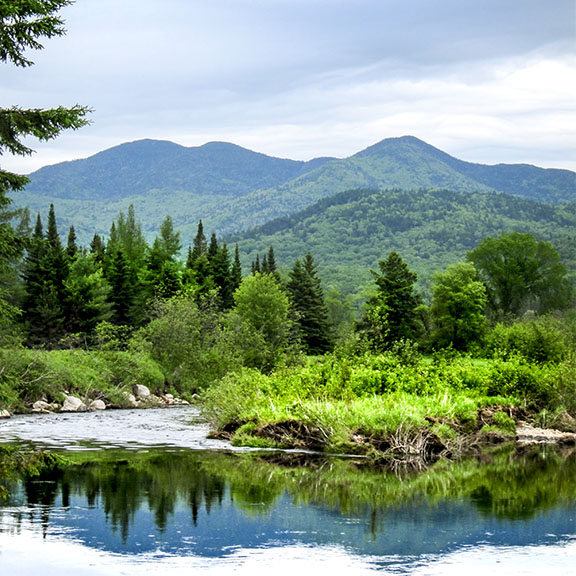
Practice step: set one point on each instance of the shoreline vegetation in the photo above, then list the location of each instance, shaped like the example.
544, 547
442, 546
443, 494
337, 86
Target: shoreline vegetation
394, 406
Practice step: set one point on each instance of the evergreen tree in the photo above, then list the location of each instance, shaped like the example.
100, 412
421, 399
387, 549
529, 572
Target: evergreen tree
236, 271
126, 235
164, 274
46, 271
307, 299
392, 314
220, 272
124, 292
22, 25
87, 295
198, 275
98, 248
199, 246
71, 246
271, 261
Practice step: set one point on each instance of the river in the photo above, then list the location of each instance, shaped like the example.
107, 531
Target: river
145, 491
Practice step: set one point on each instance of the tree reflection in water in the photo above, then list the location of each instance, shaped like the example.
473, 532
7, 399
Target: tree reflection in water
508, 485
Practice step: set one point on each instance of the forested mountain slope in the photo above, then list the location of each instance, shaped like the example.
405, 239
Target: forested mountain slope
348, 233
233, 189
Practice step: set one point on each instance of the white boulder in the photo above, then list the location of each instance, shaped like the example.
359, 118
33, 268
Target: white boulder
97, 405
73, 404
141, 391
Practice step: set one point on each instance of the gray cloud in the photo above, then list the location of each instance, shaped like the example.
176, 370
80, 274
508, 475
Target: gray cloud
486, 80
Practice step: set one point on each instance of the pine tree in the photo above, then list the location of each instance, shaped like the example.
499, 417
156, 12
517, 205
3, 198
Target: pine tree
22, 24
392, 312
307, 299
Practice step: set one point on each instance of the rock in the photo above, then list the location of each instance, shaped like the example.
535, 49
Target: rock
131, 399
527, 434
5, 414
141, 391
73, 404
43, 407
97, 405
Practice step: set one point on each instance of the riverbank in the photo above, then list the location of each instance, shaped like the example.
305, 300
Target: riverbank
385, 408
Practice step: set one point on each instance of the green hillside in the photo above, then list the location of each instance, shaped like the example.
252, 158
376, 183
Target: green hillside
233, 189
348, 233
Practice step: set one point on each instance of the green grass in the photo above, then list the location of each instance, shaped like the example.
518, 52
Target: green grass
373, 399
30, 375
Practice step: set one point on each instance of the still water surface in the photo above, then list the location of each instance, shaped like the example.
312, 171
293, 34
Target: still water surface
146, 492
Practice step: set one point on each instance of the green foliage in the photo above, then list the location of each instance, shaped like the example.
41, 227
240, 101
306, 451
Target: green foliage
392, 312
307, 301
189, 342
521, 274
536, 339
261, 303
349, 232
30, 375
457, 310
235, 189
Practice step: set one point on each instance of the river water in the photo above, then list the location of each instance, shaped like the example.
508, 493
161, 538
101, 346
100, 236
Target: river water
145, 491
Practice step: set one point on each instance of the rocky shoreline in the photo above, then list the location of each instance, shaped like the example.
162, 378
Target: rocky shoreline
141, 397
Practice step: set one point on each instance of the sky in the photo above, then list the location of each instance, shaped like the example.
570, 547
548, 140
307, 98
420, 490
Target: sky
488, 81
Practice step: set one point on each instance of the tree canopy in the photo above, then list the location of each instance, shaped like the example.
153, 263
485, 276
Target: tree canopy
521, 273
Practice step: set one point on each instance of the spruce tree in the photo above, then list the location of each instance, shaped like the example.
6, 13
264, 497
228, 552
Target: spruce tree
22, 25
71, 246
236, 271
391, 313
199, 246
307, 299
46, 271
97, 248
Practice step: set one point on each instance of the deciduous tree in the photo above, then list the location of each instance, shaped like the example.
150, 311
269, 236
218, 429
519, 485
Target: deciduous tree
521, 273
458, 306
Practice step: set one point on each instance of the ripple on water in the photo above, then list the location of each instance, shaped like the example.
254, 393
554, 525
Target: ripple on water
178, 427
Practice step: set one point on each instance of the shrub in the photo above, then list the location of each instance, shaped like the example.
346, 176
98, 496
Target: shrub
542, 339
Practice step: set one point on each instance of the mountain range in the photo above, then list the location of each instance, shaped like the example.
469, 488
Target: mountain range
400, 193
234, 189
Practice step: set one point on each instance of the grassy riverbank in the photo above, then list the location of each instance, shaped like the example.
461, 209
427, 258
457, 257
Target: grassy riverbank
29, 375
392, 405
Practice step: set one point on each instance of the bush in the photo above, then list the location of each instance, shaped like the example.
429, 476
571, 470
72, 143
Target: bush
543, 339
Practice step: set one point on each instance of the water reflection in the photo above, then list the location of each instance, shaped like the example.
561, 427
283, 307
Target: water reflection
180, 503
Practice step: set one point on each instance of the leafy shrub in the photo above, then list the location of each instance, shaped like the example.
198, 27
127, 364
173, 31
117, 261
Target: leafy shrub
504, 422
542, 339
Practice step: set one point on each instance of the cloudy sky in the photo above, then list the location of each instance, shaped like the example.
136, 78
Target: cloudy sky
487, 81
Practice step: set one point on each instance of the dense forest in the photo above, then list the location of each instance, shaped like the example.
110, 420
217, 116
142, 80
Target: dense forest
349, 232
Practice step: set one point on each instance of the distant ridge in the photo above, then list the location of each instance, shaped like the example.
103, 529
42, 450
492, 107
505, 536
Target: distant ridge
233, 189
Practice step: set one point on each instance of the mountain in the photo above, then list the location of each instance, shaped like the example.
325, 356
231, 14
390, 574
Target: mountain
350, 232
233, 189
